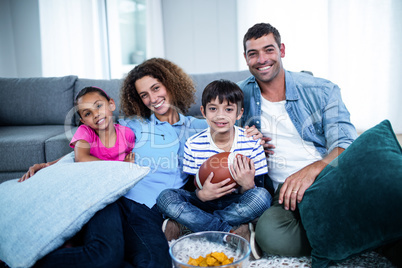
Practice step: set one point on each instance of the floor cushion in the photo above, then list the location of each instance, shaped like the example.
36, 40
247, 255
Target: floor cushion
354, 204
41, 213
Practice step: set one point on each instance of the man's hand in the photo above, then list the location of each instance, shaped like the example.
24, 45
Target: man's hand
252, 132
268, 147
295, 185
211, 191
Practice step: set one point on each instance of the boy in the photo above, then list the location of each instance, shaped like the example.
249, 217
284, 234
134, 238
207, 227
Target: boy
217, 206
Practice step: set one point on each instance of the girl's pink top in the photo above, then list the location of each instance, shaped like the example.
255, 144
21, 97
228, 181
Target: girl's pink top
124, 142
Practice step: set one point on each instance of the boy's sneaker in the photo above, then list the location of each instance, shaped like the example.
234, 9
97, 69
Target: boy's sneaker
255, 248
173, 230
246, 230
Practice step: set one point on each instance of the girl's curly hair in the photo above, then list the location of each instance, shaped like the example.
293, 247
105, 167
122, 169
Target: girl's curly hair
179, 85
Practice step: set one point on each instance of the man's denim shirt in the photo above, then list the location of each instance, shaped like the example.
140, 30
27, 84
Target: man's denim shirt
314, 105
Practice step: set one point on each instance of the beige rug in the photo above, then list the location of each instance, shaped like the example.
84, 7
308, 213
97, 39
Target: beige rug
366, 260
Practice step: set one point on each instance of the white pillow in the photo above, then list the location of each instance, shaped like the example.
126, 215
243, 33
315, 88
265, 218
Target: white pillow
41, 213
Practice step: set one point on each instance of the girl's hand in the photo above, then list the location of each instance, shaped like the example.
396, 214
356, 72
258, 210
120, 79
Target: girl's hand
243, 172
130, 157
32, 170
211, 191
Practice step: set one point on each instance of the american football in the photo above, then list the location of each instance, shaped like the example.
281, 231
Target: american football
219, 165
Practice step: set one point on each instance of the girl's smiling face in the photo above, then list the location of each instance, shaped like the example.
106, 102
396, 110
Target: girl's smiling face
96, 111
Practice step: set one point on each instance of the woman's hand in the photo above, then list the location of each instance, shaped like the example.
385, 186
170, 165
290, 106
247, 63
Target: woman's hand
130, 157
32, 170
211, 191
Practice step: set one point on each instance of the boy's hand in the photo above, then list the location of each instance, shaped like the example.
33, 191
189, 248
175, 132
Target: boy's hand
211, 191
243, 172
130, 157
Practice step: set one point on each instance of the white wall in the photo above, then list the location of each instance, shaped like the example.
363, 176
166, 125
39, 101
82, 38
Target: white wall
8, 66
201, 36
20, 49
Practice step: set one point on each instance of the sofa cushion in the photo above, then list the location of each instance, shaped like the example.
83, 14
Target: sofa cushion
36, 101
59, 145
202, 80
41, 213
354, 204
25, 145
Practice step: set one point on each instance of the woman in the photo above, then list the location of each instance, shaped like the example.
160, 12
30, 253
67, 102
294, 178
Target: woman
156, 93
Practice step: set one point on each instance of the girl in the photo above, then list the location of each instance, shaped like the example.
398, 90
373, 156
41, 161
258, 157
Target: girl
98, 138
101, 242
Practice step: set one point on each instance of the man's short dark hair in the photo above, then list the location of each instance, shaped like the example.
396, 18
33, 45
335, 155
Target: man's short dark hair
225, 90
259, 30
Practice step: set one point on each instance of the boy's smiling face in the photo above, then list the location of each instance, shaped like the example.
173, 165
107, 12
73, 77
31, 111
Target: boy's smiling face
221, 117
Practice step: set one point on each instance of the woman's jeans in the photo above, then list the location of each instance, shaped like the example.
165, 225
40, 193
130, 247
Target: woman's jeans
103, 244
222, 214
145, 242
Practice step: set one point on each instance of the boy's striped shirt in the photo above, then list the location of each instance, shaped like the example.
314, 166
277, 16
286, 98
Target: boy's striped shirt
200, 147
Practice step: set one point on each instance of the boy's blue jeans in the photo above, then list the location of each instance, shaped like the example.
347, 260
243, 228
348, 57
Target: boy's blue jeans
217, 215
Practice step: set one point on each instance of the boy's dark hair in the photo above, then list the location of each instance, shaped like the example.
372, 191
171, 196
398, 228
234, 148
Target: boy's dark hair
225, 90
259, 30
87, 90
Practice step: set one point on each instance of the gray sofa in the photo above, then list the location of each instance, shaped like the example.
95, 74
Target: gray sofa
37, 118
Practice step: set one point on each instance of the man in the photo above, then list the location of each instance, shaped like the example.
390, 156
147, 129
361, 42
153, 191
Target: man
307, 125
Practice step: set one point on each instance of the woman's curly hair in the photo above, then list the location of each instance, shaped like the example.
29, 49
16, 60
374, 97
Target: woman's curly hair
179, 85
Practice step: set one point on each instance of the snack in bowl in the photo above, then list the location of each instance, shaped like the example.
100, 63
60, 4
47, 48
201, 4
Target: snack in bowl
234, 247
219, 164
212, 259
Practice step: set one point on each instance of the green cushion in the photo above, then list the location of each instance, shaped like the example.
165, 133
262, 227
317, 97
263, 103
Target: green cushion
355, 203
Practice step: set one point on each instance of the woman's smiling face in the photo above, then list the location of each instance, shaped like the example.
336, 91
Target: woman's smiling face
154, 95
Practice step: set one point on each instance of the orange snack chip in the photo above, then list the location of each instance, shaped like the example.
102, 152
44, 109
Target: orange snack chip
212, 259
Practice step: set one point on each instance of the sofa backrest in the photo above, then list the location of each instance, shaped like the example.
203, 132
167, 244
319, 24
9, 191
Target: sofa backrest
112, 87
36, 101
202, 80
50, 100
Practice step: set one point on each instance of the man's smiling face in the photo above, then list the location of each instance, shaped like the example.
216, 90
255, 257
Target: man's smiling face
264, 57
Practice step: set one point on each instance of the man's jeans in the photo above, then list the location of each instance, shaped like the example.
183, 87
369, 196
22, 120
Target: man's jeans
281, 232
217, 215
103, 244
145, 242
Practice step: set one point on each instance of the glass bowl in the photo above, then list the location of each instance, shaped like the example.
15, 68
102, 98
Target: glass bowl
203, 243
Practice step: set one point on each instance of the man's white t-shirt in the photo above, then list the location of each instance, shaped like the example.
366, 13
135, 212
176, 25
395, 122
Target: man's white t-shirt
291, 152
